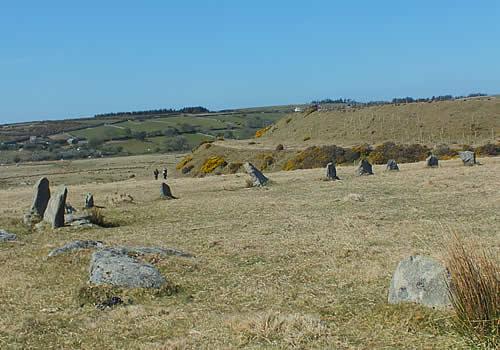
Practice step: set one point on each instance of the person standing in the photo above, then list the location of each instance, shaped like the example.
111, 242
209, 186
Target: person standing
156, 173
164, 173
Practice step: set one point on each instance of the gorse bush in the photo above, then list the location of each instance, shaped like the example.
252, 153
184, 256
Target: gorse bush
475, 293
401, 153
212, 163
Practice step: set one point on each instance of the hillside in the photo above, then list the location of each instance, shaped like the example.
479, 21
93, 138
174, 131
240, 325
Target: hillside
467, 121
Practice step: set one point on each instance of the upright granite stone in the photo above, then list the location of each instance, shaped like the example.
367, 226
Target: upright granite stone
420, 280
165, 191
331, 172
41, 197
392, 165
365, 168
468, 158
112, 267
89, 201
54, 214
258, 179
432, 161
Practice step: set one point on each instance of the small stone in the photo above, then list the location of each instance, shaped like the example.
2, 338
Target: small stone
54, 214
331, 172
76, 245
6, 236
392, 165
468, 158
89, 201
258, 179
421, 280
365, 168
432, 161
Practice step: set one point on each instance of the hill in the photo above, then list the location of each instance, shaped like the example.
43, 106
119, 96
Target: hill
473, 121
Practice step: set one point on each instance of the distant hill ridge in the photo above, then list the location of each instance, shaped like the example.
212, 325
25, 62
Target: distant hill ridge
473, 121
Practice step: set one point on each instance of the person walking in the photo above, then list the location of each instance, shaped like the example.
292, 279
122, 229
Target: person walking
156, 173
164, 173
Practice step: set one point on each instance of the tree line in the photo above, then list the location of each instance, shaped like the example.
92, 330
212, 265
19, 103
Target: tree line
395, 100
191, 110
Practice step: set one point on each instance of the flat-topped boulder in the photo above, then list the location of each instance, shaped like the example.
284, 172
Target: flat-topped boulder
365, 168
112, 267
420, 280
76, 245
54, 214
392, 165
331, 172
258, 179
6, 236
468, 158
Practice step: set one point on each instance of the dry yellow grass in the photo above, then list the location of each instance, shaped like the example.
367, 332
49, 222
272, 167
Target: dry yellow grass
471, 121
294, 265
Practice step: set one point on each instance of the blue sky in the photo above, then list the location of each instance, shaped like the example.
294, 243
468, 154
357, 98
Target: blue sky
62, 59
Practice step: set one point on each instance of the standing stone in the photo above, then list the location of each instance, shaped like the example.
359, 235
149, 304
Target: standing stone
421, 280
41, 197
54, 214
113, 267
165, 192
365, 168
468, 157
258, 179
89, 201
331, 172
392, 165
432, 161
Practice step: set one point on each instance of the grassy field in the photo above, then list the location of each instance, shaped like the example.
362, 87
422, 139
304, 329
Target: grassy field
299, 264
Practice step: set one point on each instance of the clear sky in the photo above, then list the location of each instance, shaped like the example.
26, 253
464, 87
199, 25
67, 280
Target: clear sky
76, 58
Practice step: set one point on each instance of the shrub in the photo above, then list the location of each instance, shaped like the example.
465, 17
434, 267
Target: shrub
315, 157
184, 161
266, 160
307, 138
261, 132
489, 149
176, 143
444, 152
401, 153
280, 147
475, 292
96, 217
212, 163
187, 169
234, 167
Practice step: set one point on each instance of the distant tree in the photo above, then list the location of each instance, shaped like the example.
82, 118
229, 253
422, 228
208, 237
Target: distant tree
176, 143
139, 135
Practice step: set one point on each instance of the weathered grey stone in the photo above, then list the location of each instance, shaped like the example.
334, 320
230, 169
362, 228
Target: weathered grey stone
40, 198
165, 191
76, 245
89, 201
421, 280
111, 267
331, 172
468, 158
54, 214
153, 250
392, 165
365, 168
258, 179
6, 236
432, 161
69, 218
69, 209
